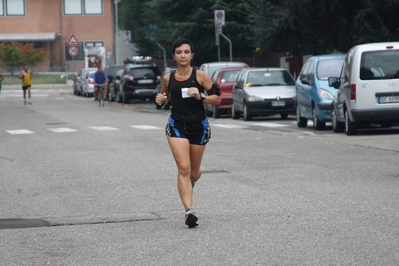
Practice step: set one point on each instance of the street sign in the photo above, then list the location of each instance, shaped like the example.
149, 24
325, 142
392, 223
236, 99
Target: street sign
127, 35
73, 42
219, 17
73, 51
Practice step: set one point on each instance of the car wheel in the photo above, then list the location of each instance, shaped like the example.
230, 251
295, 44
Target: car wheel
234, 113
350, 127
125, 99
111, 99
216, 112
317, 124
336, 125
300, 121
247, 116
284, 116
119, 97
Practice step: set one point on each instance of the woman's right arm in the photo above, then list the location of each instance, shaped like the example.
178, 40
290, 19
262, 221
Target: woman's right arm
164, 94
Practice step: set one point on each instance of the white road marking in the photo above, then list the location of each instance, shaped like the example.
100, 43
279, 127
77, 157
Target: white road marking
227, 126
266, 124
19, 131
104, 128
145, 127
20, 96
62, 130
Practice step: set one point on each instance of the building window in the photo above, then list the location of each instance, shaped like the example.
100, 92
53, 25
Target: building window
94, 44
12, 7
86, 7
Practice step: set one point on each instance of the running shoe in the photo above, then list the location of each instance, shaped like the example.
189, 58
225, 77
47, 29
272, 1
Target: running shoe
191, 219
29, 102
24, 102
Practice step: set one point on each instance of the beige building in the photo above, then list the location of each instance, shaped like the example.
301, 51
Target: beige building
51, 23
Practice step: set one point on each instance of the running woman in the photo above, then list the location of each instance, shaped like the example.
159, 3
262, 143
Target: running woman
188, 130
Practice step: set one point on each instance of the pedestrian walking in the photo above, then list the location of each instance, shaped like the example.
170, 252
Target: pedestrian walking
26, 77
187, 130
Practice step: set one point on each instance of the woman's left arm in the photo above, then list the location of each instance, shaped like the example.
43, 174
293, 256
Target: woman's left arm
207, 84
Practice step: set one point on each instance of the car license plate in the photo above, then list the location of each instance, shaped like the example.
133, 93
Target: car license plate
278, 103
145, 81
388, 99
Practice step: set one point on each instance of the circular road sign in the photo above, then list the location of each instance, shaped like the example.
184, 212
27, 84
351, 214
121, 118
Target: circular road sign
73, 51
219, 14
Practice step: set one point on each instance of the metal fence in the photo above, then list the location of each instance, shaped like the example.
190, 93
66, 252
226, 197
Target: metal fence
41, 74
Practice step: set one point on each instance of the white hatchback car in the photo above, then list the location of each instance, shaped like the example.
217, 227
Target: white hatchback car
368, 88
88, 85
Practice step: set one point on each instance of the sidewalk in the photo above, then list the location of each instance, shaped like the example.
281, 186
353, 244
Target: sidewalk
68, 84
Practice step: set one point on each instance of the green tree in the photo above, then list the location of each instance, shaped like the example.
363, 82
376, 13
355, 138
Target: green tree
31, 56
10, 56
14, 54
191, 19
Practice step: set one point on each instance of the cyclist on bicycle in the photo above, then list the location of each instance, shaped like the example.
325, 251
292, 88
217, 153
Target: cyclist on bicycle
100, 78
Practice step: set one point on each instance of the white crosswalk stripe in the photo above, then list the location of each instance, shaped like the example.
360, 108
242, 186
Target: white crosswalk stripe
62, 130
104, 128
145, 127
19, 131
228, 126
274, 125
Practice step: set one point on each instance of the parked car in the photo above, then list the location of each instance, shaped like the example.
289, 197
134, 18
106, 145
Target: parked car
224, 78
210, 68
88, 85
368, 88
166, 71
313, 93
82, 78
138, 82
111, 71
263, 92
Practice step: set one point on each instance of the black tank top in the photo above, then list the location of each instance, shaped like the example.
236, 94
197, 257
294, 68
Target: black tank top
186, 109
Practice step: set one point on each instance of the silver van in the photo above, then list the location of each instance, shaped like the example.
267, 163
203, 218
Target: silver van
210, 68
368, 88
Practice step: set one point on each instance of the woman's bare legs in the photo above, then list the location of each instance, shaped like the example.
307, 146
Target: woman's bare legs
188, 160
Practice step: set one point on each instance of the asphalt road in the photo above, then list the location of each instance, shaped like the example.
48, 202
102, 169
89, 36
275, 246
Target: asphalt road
84, 185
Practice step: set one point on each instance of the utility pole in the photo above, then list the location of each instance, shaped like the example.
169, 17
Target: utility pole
116, 32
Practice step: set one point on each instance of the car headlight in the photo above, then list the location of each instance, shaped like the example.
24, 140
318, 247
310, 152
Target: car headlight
325, 94
253, 98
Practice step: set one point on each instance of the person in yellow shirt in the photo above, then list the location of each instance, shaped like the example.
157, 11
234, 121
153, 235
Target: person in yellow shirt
26, 77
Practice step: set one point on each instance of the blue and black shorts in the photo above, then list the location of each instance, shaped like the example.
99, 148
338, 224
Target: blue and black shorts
197, 132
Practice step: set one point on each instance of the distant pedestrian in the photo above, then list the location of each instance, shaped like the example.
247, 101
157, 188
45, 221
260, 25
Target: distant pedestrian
26, 77
1, 79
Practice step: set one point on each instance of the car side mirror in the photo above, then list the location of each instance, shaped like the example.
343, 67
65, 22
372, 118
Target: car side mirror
306, 81
334, 82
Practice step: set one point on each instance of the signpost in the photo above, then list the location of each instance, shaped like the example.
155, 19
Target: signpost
73, 49
219, 23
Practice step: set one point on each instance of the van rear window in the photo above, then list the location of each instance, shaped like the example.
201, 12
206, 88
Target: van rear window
379, 65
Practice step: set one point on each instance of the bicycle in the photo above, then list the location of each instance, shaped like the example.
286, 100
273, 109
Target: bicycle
100, 94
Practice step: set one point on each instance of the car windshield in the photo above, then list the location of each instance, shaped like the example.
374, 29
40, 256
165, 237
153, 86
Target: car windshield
142, 72
379, 65
329, 68
270, 78
112, 69
230, 75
